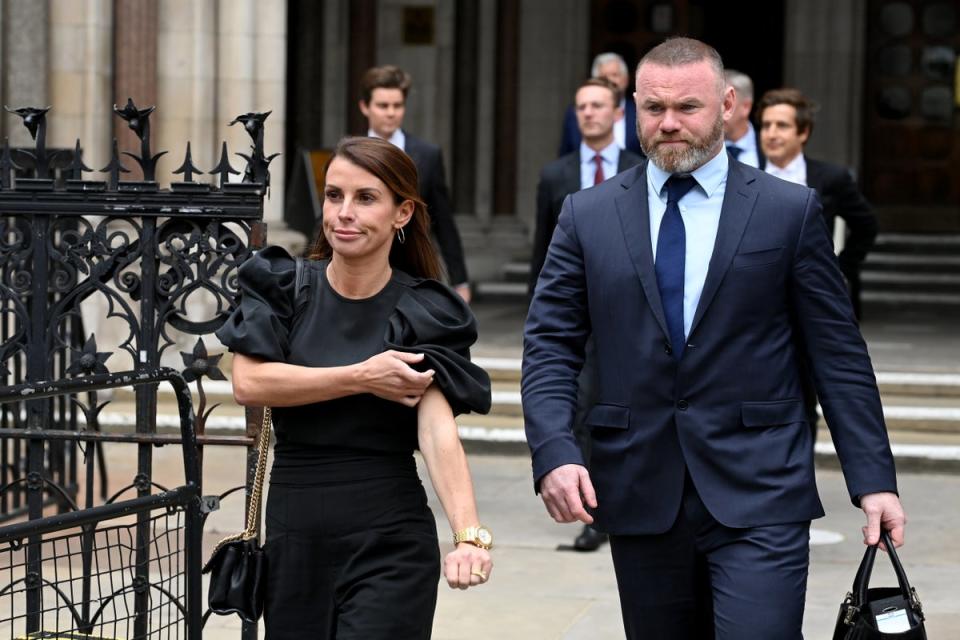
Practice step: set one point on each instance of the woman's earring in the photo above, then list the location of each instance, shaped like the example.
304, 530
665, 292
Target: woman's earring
401, 236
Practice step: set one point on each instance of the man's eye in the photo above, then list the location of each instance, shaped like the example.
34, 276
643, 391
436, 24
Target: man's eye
654, 108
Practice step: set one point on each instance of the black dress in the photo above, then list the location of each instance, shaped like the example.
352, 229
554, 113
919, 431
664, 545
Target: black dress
351, 545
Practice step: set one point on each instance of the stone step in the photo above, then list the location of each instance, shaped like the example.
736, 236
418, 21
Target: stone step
946, 301
491, 290
903, 262
925, 243
516, 271
920, 282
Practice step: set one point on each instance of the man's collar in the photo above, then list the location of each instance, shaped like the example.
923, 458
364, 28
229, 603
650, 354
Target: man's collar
610, 153
709, 176
398, 139
747, 140
791, 167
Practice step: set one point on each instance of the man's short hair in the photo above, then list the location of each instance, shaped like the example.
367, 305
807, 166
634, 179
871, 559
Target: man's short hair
605, 58
806, 108
741, 83
606, 84
678, 52
387, 76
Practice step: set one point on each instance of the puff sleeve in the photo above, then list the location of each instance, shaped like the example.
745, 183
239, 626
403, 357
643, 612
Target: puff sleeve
260, 324
431, 319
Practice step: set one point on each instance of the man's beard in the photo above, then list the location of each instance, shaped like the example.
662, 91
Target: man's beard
685, 159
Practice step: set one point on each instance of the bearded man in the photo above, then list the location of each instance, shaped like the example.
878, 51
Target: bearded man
706, 285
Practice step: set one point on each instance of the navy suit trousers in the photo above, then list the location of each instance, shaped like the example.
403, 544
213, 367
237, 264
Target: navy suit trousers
702, 580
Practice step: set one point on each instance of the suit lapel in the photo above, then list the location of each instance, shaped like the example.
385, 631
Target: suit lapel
634, 212
738, 200
814, 175
571, 174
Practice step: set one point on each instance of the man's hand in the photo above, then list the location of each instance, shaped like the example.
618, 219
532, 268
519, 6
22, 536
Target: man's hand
883, 510
388, 375
564, 490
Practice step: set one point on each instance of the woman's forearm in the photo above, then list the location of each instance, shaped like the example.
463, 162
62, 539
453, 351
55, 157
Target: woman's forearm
277, 384
446, 461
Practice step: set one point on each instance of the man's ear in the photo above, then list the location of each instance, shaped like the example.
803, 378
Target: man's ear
804, 136
364, 108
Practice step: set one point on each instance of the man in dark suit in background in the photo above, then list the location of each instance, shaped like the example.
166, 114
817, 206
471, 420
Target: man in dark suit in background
597, 159
609, 66
705, 285
383, 100
743, 141
786, 122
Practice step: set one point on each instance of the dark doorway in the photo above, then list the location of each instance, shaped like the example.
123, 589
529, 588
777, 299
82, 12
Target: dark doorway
748, 35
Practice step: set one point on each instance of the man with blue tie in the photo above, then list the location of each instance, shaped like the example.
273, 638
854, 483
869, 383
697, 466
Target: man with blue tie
706, 285
743, 141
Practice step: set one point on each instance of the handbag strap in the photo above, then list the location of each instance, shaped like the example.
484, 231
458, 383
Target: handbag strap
862, 580
253, 511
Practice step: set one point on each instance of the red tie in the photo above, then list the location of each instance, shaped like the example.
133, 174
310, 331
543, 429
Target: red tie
598, 176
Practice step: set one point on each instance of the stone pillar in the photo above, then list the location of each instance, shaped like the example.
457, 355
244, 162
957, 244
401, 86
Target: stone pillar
335, 37
483, 205
825, 56
134, 68
270, 93
81, 75
26, 45
548, 78
186, 100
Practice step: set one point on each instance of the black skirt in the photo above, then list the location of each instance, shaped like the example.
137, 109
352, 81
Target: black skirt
352, 551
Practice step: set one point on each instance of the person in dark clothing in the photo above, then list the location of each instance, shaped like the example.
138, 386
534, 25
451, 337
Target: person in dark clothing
786, 121
369, 361
383, 102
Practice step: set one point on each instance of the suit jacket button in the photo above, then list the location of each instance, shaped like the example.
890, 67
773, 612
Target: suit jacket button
682, 405
667, 349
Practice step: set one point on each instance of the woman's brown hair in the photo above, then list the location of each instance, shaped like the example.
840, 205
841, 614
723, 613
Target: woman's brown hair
416, 255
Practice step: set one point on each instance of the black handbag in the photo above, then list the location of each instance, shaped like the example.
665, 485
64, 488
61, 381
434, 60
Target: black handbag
880, 613
237, 566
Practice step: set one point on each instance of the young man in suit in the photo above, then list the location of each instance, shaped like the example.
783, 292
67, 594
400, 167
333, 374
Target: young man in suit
743, 141
609, 66
786, 122
383, 102
598, 158
705, 284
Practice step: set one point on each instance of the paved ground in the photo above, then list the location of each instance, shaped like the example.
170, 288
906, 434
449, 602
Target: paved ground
539, 593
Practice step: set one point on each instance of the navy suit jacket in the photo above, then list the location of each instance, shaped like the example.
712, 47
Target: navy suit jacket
572, 137
731, 411
433, 189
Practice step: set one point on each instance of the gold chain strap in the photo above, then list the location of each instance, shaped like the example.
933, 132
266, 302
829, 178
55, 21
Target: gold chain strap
253, 513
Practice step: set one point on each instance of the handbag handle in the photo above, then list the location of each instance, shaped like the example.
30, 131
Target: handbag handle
862, 580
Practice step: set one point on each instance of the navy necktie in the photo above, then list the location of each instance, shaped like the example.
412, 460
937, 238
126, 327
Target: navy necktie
671, 260
734, 150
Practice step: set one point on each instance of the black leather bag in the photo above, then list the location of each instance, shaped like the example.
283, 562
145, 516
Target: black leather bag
865, 612
237, 566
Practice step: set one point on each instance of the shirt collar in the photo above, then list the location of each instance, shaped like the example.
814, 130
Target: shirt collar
398, 139
793, 167
709, 176
747, 141
610, 153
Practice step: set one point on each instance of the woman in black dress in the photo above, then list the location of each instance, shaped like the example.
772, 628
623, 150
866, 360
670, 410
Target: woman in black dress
367, 362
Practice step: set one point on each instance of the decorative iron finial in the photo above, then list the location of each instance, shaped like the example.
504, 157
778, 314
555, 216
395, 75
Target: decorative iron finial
139, 122
257, 169
188, 168
35, 120
115, 168
6, 165
77, 167
223, 167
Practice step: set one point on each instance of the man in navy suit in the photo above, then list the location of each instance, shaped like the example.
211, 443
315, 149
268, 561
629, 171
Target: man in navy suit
706, 284
609, 66
743, 141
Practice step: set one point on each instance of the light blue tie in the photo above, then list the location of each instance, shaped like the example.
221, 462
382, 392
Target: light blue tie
671, 260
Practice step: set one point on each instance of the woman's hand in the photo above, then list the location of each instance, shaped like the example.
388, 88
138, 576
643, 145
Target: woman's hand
388, 375
467, 566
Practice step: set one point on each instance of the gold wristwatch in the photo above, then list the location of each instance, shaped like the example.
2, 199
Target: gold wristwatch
478, 536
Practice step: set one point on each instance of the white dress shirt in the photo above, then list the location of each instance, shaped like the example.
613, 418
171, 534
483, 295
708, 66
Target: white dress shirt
397, 139
700, 211
748, 144
610, 158
620, 127
795, 171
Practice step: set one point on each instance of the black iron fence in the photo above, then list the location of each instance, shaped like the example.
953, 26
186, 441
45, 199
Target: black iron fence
112, 274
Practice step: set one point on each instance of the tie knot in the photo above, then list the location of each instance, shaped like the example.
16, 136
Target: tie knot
678, 186
598, 159
734, 150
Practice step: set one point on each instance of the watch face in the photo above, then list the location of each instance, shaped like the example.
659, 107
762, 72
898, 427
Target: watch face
484, 536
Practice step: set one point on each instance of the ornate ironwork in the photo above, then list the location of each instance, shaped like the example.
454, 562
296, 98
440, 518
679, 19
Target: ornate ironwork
161, 264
